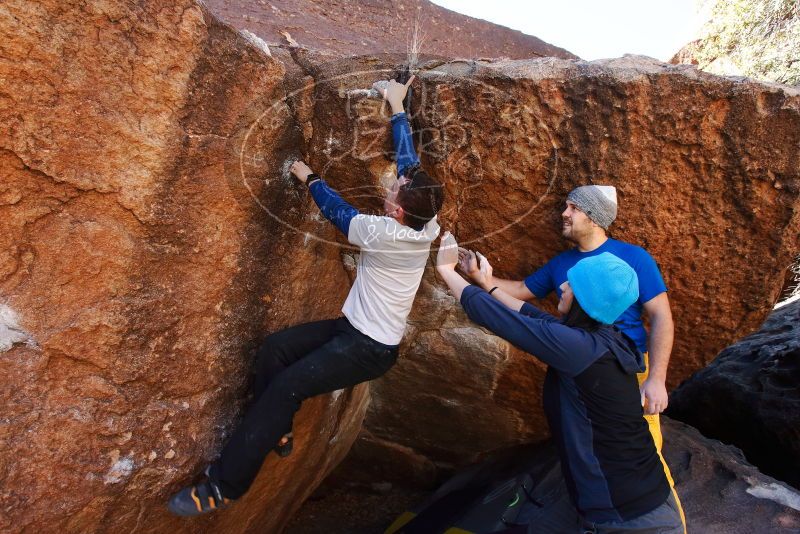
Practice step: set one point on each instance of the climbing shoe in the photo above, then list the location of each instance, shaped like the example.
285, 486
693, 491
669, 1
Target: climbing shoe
198, 499
284, 446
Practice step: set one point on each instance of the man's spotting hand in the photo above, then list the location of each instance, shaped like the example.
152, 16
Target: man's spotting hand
468, 263
654, 396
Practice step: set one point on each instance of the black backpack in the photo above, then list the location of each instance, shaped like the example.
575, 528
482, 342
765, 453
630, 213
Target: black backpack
520, 492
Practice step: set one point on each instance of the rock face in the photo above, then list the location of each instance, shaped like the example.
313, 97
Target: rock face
720, 491
358, 27
756, 39
137, 272
707, 175
149, 235
749, 397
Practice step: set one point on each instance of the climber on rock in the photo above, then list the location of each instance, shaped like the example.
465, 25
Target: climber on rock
323, 356
614, 473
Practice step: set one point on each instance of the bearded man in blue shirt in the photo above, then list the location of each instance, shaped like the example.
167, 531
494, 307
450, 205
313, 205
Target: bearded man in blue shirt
590, 210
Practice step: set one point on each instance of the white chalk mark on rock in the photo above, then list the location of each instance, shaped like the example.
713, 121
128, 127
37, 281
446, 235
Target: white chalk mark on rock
774, 492
10, 331
121, 469
330, 142
256, 41
286, 174
363, 92
350, 262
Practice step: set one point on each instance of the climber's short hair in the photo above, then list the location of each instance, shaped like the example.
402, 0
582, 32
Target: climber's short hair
421, 197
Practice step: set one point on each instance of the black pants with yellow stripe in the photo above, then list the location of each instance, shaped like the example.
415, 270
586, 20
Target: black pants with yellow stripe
293, 365
654, 425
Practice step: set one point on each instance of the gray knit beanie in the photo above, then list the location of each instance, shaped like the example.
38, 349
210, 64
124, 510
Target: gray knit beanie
598, 202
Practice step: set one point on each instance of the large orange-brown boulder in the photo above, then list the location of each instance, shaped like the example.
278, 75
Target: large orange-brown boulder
138, 267
706, 172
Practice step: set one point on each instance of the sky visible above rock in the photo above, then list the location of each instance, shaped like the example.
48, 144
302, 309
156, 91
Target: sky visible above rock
595, 30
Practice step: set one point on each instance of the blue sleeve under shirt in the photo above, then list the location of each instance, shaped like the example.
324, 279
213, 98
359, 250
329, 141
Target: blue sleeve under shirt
332, 206
403, 144
541, 283
568, 350
651, 283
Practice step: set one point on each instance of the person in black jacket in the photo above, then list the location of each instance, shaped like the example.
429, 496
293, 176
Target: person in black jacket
591, 396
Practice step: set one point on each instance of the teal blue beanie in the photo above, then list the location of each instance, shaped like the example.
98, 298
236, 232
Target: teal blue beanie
604, 285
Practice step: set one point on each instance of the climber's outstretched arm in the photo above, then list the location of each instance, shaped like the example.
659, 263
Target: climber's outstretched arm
395, 93
332, 206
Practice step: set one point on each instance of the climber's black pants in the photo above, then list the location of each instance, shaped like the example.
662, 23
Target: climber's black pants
295, 364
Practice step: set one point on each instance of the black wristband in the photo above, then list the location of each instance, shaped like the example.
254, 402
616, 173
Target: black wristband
311, 178
491, 290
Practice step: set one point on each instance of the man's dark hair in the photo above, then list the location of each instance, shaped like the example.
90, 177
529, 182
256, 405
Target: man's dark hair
577, 317
421, 198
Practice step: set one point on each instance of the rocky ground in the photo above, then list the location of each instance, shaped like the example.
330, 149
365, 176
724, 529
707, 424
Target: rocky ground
720, 491
353, 510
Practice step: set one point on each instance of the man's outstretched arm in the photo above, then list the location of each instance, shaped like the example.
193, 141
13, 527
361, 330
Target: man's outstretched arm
662, 334
468, 262
406, 156
332, 206
515, 288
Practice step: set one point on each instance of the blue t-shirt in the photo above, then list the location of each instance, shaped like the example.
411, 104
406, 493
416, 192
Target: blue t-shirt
651, 284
